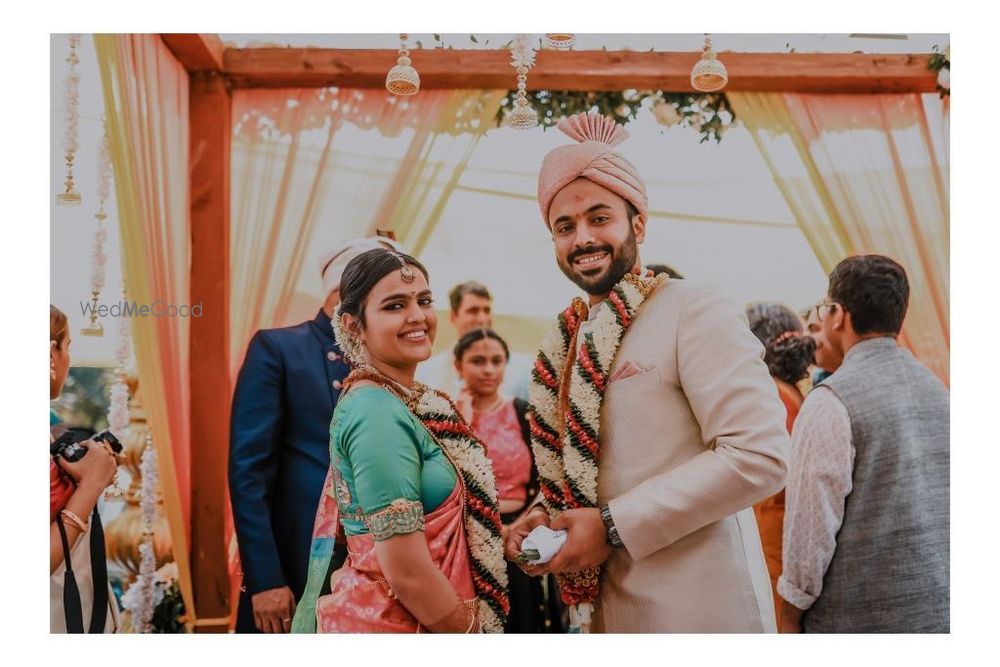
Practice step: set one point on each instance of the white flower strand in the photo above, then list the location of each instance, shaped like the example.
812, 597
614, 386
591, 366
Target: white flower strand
118, 416
98, 259
140, 599
472, 458
72, 93
123, 350
104, 168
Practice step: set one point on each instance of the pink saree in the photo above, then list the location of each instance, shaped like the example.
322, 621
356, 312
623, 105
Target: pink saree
361, 599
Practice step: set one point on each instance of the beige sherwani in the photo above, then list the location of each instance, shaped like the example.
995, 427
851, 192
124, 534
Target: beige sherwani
688, 444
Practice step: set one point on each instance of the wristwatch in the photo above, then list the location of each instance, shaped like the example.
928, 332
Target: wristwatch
609, 524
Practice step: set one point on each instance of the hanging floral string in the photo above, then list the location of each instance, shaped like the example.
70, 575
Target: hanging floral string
98, 260
72, 103
522, 58
118, 412
140, 598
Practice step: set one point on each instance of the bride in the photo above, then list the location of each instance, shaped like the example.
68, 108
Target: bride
410, 489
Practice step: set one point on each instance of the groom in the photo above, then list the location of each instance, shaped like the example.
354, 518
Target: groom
655, 424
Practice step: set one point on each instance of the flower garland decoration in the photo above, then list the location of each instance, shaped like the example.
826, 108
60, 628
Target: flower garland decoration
522, 59
709, 114
940, 62
140, 598
118, 412
567, 389
98, 259
70, 197
455, 436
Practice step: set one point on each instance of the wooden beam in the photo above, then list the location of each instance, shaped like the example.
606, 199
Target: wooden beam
581, 70
196, 52
211, 391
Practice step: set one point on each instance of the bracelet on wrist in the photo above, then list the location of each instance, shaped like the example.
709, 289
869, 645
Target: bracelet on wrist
74, 520
613, 538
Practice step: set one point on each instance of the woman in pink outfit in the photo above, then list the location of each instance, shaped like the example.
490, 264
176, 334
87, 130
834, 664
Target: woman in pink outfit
501, 423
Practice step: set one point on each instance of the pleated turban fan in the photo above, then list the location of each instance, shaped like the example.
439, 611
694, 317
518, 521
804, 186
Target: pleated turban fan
593, 158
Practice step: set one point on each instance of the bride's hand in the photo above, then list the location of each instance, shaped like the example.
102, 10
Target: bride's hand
515, 533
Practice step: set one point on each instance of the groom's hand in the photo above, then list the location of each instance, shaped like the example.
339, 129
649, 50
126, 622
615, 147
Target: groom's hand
517, 531
586, 541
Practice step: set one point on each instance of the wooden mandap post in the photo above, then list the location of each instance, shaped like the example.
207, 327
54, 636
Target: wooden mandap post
211, 388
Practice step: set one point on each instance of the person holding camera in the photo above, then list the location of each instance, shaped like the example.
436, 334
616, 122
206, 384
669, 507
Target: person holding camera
81, 599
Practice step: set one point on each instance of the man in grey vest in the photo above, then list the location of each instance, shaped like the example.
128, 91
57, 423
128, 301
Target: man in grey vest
866, 532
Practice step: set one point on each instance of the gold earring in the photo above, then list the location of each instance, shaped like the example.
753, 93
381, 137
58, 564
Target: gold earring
52, 369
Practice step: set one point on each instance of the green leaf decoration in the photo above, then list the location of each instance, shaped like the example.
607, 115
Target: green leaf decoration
703, 113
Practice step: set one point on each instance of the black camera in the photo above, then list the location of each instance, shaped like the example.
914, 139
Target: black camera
66, 447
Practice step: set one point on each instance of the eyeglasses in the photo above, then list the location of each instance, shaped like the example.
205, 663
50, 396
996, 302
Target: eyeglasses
820, 306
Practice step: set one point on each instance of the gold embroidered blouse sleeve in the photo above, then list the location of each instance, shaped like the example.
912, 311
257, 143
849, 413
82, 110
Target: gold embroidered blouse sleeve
382, 448
401, 517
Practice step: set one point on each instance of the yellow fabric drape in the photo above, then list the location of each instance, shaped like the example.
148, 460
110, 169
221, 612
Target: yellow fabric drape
415, 212
146, 102
286, 173
867, 174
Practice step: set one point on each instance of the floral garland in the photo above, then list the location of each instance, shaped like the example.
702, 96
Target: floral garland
140, 599
708, 114
566, 394
483, 528
71, 118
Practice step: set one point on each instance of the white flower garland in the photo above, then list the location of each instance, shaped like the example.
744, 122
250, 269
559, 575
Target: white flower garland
98, 258
71, 89
568, 473
140, 599
469, 456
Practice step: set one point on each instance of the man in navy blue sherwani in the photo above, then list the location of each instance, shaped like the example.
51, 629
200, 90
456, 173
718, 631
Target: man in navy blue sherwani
280, 451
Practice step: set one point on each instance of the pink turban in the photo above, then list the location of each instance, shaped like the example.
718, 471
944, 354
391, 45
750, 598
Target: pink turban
592, 158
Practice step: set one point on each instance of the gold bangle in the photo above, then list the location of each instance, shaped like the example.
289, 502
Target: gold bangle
75, 520
474, 609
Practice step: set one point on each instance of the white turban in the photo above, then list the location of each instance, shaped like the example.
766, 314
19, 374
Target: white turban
333, 262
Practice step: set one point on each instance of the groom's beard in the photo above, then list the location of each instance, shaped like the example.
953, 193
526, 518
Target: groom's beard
622, 260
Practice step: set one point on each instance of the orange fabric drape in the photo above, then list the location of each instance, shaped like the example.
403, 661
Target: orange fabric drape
286, 173
868, 174
146, 103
